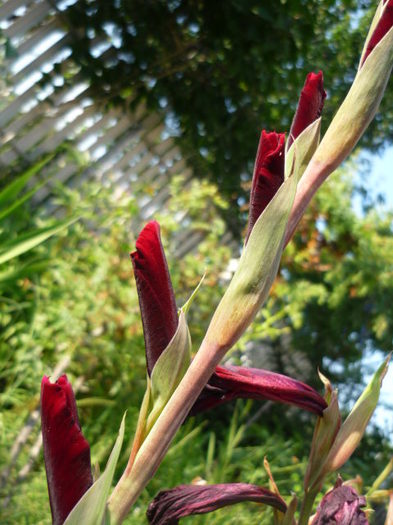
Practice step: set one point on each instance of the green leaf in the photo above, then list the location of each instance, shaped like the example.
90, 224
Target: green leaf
28, 241
353, 428
9, 193
186, 305
91, 508
16, 204
169, 369
302, 149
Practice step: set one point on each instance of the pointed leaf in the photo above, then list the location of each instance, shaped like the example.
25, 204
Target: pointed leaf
17, 203
190, 300
169, 369
91, 508
10, 192
325, 431
32, 239
353, 428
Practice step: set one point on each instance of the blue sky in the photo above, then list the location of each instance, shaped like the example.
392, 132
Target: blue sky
381, 180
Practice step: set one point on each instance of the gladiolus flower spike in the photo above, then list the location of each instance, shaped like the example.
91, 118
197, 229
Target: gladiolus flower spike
268, 174
66, 451
155, 293
186, 500
310, 105
234, 382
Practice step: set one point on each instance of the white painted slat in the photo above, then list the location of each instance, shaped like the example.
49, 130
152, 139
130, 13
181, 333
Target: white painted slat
32, 18
32, 40
43, 59
8, 8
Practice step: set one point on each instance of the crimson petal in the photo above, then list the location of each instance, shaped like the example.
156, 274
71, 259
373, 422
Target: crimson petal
310, 105
341, 506
268, 174
383, 26
185, 500
66, 451
234, 382
155, 293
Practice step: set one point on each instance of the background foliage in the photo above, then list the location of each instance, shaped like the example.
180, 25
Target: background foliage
220, 71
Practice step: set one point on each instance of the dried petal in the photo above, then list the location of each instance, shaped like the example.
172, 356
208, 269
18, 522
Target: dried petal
341, 506
185, 500
310, 105
268, 174
233, 382
155, 292
66, 451
384, 24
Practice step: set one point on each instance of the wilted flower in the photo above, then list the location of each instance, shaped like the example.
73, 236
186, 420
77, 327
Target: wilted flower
66, 451
233, 382
341, 506
185, 500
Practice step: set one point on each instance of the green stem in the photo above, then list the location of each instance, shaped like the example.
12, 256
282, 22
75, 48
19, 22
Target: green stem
155, 446
307, 506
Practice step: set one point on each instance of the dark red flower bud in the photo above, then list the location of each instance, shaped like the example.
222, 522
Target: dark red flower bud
155, 292
310, 105
185, 500
268, 174
234, 382
341, 506
66, 451
383, 26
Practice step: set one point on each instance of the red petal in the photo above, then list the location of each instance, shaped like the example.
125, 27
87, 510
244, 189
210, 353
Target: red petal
155, 292
383, 26
310, 105
66, 451
268, 174
185, 500
341, 506
233, 382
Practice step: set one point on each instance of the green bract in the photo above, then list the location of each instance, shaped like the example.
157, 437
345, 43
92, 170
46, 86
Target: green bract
91, 508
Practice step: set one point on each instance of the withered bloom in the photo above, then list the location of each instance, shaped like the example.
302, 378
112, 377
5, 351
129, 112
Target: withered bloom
234, 382
341, 506
186, 500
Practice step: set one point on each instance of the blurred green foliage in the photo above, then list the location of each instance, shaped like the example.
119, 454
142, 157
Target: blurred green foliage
220, 71
83, 304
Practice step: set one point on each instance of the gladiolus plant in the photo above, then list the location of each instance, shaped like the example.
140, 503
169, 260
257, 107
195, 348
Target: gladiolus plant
181, 381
